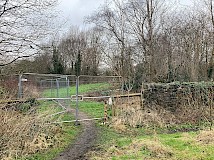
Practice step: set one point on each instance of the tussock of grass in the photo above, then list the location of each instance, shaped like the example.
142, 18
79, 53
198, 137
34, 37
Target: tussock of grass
25, 134
175, 146
31, 92
32, 133
135, 149
206, 137
118, 124
134, 116
154, 147
187, 137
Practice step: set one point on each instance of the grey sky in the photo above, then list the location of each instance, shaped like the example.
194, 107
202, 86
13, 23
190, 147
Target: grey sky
74, 11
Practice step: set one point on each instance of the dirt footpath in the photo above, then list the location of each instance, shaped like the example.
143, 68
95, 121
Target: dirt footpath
83, 143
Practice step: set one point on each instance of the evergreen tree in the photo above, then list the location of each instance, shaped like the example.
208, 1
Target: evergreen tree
57, 65
78, 65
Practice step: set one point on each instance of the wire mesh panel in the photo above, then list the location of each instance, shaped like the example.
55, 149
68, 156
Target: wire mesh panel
98, 86
30, 85
93, 89
65, 89
55, 87
45, 86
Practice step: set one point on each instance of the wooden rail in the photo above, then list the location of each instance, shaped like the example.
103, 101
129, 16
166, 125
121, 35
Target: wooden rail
114, 96
127, 95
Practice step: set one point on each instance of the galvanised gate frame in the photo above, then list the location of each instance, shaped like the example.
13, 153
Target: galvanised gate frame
51, 85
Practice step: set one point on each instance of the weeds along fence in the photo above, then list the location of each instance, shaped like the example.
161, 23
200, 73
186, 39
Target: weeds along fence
178, 106
8, 86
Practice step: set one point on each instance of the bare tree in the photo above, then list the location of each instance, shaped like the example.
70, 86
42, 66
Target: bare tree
167, 45
145, 18
209, 9
111, 20
92, 57
84, 43
71, 45
23, 23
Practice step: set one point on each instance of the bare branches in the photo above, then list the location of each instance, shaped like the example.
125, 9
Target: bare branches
16, 58
23, 24
83, 43
168, 45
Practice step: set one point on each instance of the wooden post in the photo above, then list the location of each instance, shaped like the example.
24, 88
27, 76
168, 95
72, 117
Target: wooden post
105, 114
142, 97
112, 110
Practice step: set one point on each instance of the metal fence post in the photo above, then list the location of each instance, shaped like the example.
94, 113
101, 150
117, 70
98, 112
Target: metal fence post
51, 88
57, 86
67, 85
77, 101
20, 87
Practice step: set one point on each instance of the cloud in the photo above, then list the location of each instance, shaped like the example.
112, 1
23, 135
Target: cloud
74, 11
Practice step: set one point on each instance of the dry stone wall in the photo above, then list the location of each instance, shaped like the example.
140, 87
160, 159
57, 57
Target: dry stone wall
173, 95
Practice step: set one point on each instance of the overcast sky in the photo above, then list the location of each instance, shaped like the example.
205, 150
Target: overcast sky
74, 11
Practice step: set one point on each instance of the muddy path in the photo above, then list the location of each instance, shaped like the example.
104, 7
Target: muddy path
84, 141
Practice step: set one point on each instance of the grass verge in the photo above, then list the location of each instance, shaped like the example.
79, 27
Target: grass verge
62, 139
177, 146
140, 144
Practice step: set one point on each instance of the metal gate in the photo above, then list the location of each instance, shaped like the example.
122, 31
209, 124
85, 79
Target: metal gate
67, 90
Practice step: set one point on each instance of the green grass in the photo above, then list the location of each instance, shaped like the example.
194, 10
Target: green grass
121, 142
177, 146
185, 146
69, 134
93, 109
108, 136
69, 131
91, 87
134, 145
84, 88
